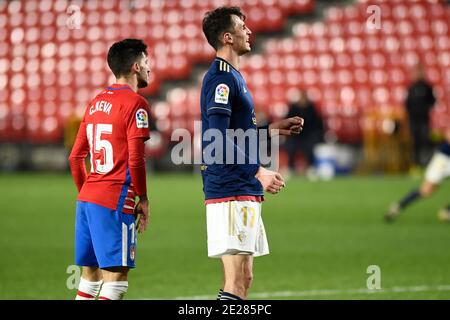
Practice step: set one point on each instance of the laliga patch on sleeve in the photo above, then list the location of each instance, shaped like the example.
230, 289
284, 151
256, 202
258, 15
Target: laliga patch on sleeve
222, 94
141, 118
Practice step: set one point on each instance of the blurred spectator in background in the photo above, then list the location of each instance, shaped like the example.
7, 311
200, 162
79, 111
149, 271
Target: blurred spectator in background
312, 133
70, 131
419, 102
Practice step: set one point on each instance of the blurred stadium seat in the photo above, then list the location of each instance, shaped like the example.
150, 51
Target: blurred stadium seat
339, 53
48, 71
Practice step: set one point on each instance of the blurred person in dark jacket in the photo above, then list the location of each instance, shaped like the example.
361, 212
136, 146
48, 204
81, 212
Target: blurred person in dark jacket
419, 102
312, 133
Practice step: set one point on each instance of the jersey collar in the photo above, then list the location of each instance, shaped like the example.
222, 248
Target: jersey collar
117, 86
221, 59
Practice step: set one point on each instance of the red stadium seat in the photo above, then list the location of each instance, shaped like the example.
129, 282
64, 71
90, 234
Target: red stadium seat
344, 65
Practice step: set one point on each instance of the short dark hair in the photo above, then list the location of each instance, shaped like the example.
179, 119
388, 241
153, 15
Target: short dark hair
218, 21
123, 54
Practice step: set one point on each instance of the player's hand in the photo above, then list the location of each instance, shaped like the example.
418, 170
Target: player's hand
271, 181
142, 214
447, 133
287, 127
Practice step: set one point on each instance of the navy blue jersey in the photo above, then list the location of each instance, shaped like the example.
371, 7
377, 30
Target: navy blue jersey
224, 92
444, 148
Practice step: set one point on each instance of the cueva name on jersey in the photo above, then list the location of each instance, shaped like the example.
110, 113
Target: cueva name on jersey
102, 105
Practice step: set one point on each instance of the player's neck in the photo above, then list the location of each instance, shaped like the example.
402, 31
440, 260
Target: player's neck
131, 81
230, 56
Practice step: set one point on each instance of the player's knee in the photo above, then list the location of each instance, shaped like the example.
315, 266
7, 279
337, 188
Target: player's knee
427, 189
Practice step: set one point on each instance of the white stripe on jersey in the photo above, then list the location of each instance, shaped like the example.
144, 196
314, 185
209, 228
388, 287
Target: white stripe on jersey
124, 244
220, 108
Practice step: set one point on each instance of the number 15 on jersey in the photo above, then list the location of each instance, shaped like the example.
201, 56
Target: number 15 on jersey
100, 149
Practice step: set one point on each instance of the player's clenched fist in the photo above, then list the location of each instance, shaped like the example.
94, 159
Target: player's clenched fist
271, 181
287, 127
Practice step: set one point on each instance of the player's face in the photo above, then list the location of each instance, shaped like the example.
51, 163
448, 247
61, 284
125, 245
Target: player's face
143, 75
241, 36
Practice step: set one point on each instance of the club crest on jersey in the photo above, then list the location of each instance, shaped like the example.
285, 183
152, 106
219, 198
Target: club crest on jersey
222, 93
141, 118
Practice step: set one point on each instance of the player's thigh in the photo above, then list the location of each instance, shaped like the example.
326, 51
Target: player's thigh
427, 188
84, 250
113, 237
234, 227
248, 228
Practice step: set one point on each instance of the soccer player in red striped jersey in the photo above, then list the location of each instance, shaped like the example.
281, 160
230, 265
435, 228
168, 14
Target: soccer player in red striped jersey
113, 131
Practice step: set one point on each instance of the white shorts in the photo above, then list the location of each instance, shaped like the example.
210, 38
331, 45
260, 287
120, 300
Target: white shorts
438, 168
235, 227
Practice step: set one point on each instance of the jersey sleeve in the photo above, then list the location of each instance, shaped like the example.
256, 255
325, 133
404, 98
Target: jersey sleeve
220, 93
136, 162
79, 152
138, 119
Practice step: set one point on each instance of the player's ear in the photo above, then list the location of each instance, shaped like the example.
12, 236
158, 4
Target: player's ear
227, 38
135, 67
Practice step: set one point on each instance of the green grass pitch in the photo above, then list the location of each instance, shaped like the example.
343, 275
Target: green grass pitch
322, 237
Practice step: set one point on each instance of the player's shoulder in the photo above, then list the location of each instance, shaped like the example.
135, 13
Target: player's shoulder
133, 99
140, 99
221, 68
220, 72
98, 97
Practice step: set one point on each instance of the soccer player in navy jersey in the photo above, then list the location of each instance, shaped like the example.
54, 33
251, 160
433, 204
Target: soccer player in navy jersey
437, 170
113, 131
234, 189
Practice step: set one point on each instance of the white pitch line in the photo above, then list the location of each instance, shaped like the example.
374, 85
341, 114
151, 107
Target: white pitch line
325, 292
